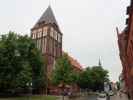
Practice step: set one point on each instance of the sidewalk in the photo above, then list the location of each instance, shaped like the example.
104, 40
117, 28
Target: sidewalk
120, 97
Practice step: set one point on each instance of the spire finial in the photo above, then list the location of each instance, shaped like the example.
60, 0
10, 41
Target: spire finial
99, 63
49, 3
117, 30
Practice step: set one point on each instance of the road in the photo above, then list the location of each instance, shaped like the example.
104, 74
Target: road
90, 97
93, 97
115, 97
118, 97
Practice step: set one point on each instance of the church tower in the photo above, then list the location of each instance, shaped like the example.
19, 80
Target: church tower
48, 37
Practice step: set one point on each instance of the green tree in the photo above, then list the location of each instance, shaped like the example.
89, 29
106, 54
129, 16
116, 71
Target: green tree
63, 73
85, 79
99, 76
20, 63
93, 78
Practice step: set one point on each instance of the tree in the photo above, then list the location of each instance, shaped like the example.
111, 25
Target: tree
93, 78
99, 76
21, 63
85, 79
63, 72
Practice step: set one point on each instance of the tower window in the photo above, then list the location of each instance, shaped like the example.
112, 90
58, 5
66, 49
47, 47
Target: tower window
43, 45
55, 35
59, 37
39, 33
44, 31
33, 36
52, 32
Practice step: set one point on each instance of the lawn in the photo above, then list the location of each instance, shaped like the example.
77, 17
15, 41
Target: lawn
32, 98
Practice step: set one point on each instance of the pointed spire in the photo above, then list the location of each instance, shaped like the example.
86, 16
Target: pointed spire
99, 63
117, 30
47, 17
49, 2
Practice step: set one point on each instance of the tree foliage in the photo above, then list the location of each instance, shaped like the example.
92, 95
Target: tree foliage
93, 78
85, 79
63, 72
20, 62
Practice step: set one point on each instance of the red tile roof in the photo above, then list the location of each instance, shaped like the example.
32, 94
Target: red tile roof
74, 62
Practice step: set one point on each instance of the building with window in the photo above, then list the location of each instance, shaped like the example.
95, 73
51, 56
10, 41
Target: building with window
125, 43
48, 38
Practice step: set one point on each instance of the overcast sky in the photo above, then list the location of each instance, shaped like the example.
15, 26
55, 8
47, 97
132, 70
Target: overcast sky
88, 26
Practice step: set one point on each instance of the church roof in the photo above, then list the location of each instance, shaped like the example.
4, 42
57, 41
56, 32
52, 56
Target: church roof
74, 62
47, 17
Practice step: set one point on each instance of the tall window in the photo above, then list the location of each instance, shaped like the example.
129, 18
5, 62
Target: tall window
55, 35
51, 32
45, 45
50, 46
39, 33
44, 31
34, 34
54, 48
59, 37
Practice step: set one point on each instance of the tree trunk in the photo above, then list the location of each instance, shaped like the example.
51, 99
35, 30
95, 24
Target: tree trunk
63, 86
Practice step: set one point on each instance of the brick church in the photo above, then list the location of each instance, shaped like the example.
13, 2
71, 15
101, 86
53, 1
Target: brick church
48, 39
125, 43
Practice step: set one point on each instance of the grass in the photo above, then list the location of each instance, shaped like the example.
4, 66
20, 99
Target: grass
32, 98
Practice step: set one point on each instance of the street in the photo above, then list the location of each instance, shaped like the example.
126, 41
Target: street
90, 97
118, 97
115, 97
94, 97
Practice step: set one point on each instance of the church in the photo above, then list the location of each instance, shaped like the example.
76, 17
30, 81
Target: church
48, 38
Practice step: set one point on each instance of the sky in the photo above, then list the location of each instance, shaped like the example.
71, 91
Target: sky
88, 27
